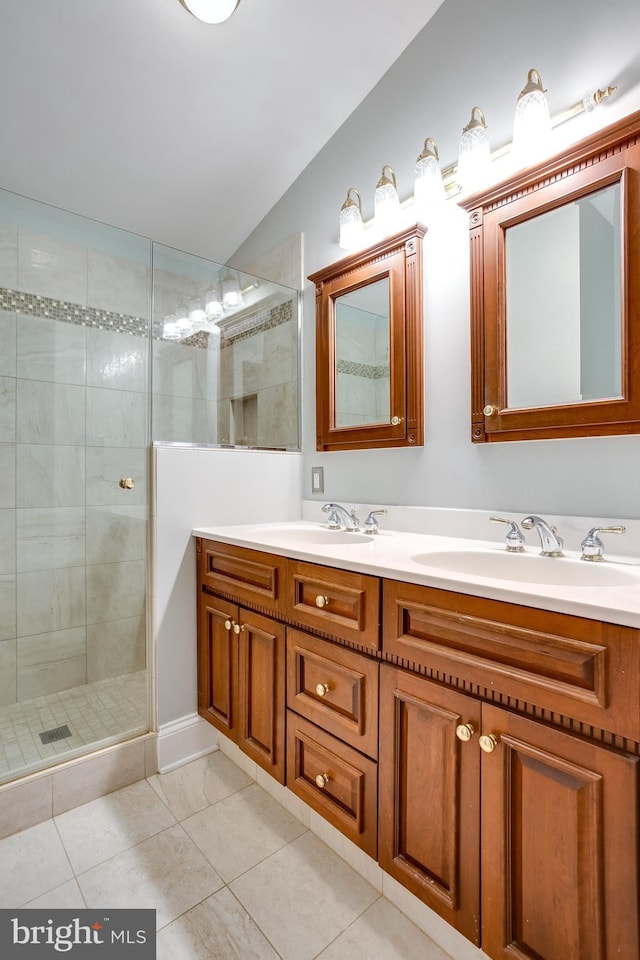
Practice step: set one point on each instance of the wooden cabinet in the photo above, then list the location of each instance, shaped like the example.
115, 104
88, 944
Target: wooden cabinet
522, 836
241, 680
485, 752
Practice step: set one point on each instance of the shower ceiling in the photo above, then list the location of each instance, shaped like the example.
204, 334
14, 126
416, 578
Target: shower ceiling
137, 114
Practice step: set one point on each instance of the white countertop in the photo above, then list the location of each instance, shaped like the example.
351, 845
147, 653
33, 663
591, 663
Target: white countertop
391, 554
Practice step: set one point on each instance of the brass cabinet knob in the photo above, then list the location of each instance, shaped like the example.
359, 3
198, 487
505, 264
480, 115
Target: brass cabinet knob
488, 742
228, 624
322, 689
321, 601
395, 421
236, 628
464, 732
322, 780
489, 410
127, 483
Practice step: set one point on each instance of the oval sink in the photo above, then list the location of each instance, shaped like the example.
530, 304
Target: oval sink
307, 536
529, 568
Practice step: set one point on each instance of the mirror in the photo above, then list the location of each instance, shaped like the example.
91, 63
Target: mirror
363, 383
555, 295
369, 359
563, 335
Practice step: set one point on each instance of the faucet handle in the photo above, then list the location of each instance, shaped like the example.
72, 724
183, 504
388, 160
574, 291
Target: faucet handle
515, 538
333, 523
371, 524
592, 546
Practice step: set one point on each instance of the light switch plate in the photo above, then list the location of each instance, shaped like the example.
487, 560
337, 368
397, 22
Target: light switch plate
317, 479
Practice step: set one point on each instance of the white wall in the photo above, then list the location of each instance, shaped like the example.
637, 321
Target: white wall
203, 487
470, 53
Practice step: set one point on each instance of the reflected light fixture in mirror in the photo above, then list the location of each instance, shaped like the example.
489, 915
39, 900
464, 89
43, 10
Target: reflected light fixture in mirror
231, 293
428, 187
213, 305
170, 328
474, 155
387, 202
351, 222
210, 11
532, 123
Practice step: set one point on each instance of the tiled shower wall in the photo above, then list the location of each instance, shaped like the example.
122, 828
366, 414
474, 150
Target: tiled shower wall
73, 421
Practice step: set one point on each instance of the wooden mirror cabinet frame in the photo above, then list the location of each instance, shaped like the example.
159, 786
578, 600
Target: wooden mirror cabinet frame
400, 259
610, 156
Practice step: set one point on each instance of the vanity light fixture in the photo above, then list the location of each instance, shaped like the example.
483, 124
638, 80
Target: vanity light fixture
351, 223
428, 186
170, 329
532, 123
182, 319
213, 304
474, 155
210, 11
197, 315
387, 202
231, 293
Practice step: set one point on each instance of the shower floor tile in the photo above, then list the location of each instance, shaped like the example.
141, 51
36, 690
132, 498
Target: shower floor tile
96, 714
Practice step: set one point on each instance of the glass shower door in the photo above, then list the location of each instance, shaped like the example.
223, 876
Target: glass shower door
74, 424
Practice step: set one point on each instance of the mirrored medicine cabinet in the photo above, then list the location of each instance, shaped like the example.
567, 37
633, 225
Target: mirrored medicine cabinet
369, 347
555, 295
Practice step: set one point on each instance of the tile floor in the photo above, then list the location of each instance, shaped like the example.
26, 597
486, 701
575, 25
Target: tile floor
231, 873
96, 713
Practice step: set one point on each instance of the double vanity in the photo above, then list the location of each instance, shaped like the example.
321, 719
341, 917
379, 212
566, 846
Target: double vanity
467, 714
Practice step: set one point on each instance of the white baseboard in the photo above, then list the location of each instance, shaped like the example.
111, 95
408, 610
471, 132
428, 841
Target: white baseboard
183, 740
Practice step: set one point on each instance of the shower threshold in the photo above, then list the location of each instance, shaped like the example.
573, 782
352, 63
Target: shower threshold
96, 715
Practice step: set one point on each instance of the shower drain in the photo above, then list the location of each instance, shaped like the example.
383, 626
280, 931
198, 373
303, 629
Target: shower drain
56, 733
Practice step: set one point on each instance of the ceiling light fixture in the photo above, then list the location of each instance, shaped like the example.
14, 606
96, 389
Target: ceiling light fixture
210, 11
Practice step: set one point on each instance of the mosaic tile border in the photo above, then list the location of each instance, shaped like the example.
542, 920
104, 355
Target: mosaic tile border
34, 305
366, 370
250, 326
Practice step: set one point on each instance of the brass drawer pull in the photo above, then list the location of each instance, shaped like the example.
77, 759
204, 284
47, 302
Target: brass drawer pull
321, 601
464, 732
322, 689
488, 742
322, 780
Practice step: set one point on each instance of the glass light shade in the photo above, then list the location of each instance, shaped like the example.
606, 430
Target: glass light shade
387, 202
212, 305
531, 124
211, 11
182, 320
351, 223
428, 188
474, 156
170, 329
231, 293
197, 315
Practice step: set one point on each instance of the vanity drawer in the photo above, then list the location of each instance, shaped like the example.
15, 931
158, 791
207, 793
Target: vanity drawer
573, 666
249, 576
339, 603
334, 687
336, 780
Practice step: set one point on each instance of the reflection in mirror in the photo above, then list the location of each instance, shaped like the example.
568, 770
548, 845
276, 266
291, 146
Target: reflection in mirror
362, 356
563, 303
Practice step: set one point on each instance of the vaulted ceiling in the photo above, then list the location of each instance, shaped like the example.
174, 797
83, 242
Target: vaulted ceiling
135, 113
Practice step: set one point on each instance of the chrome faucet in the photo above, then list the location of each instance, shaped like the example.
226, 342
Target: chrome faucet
338, 516
592, 546
371, 524
550, 542
514, 538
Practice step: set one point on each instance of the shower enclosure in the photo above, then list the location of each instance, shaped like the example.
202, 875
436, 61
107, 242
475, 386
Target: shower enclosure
86, 312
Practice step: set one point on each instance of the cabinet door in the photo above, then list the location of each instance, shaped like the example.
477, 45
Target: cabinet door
429, 803
218, 664
261, 691
560, 845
